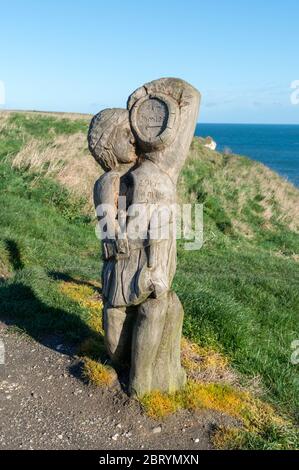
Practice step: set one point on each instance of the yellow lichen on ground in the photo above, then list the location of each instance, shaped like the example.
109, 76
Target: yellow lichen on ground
95, 321
226, 437
92, 348
159, 405
208, 356
216, 397
87, 295
98, 374
258, 419
258, 414
254, 419
214, 385
195, 396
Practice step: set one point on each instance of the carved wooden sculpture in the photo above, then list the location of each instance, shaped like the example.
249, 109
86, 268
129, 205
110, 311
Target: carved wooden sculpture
142, 150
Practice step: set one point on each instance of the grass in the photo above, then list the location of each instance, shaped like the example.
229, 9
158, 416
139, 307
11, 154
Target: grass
205, 364
45, 235
42, 127
214, 385
196, 396
240, 291
257, 425
270, 437
248, 306
50, 146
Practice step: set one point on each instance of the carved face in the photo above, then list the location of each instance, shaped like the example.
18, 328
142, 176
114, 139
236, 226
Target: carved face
110, 139
123, 144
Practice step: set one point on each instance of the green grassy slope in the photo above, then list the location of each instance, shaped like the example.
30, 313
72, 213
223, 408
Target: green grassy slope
240, 291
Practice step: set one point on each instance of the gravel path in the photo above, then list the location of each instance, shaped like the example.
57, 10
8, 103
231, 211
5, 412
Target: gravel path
45, 405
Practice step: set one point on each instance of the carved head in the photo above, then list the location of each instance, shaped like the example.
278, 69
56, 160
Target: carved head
110, 139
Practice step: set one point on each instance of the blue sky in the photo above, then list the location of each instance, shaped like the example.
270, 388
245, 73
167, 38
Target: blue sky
83, 56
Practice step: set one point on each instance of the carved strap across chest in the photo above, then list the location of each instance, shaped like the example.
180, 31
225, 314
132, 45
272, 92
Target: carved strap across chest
122, 247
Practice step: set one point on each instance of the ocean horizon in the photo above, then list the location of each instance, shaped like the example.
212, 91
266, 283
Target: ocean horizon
274, 145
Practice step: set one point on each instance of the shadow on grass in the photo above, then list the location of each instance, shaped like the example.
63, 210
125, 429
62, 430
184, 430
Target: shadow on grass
65, 332
54, 328
20, 306
59, 276
14, 254
22, 311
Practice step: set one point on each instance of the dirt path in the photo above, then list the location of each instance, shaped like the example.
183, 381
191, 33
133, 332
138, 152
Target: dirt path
45, 405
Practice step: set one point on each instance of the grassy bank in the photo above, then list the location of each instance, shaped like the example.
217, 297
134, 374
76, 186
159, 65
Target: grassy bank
240, 291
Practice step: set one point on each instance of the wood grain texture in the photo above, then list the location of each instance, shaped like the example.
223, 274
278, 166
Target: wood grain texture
142, 149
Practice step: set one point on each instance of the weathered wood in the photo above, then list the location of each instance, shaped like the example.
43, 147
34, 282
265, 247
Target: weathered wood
142, 149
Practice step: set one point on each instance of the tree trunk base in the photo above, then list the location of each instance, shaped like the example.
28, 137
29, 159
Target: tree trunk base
165, 372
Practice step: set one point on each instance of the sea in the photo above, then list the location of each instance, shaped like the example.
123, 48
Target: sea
277, 146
